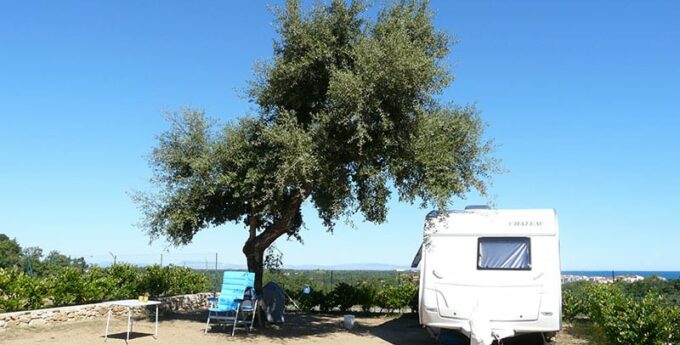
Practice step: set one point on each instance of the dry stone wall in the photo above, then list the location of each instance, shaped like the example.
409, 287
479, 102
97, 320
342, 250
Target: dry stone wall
52, 316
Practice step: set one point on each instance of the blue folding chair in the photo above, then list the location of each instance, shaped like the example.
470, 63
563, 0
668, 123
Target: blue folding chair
234, 302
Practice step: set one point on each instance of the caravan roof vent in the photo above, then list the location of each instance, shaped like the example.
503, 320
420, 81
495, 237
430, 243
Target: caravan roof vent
477, 207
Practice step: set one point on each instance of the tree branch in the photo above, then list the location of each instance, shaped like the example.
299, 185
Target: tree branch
283, 224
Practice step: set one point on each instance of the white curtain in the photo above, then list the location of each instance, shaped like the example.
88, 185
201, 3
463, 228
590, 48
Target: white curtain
504, 253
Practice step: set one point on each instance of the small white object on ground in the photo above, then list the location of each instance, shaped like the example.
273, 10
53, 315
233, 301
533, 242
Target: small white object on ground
348, 321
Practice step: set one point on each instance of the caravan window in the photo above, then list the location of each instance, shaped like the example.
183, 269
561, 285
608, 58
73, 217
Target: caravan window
504, 253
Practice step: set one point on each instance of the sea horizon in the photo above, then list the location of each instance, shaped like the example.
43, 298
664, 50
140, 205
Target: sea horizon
610, 273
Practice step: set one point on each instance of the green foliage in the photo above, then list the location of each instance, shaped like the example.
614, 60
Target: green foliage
345, 289
10, 252
71, 285
127, 280
172, 280
574, 302
622, 317
344, 296
639, 289
19, 291
627, 320
309, 301
31, 261
154, 281
348, 113
97, 285
67, 287
324, 301
391, 297
183, 280
366, 295
54, 262
413, 303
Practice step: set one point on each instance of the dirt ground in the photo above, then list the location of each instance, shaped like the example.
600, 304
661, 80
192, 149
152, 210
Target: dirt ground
188, 329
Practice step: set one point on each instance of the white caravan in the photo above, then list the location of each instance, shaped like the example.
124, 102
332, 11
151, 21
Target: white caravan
490, 274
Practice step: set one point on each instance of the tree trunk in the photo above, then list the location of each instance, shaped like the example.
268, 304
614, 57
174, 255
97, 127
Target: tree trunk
256, 244
255, 259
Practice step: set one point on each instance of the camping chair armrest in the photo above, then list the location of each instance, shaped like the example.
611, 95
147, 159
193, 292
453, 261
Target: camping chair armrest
213, 301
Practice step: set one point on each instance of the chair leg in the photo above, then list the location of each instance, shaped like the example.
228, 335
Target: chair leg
252, 321
207, 323
233, 330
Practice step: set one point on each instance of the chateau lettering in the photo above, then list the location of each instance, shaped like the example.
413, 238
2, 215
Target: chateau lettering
525, 223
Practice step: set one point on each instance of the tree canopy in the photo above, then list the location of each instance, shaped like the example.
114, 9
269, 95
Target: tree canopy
30, 259
349, 113
10, 252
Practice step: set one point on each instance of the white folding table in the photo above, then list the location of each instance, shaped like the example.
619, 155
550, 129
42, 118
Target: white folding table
130, 304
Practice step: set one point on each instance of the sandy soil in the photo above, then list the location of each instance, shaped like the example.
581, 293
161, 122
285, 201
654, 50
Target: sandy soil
188, 329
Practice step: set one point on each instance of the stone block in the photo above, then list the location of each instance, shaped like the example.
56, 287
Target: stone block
37, 322
59, 317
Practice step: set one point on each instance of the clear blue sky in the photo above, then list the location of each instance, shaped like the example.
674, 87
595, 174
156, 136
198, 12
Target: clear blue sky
581, 97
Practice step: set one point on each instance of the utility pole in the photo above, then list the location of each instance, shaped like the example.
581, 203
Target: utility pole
215, 289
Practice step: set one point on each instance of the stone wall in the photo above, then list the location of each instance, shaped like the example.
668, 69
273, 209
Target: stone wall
52, 316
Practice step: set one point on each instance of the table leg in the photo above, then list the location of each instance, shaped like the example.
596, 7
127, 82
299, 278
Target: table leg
155, 334
129, 326
106, 332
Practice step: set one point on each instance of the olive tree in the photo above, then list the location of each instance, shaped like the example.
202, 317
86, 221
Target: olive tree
349, 113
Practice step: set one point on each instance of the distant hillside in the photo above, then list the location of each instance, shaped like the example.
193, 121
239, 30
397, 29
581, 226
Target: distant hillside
349, 267
229, 266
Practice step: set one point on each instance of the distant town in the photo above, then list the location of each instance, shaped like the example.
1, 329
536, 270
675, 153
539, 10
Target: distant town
628, 278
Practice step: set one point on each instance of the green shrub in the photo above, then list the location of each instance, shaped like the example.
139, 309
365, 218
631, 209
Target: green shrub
19, 291
66, 286
324, 301
391, 297
413, 303
181, 280
154, 281
574, 300
171, 280
366, 295
127, 279
98, 285
624, 319
344, 296
307, 302
71, 285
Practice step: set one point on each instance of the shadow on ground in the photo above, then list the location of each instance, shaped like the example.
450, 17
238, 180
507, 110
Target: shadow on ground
133, 335
403, 330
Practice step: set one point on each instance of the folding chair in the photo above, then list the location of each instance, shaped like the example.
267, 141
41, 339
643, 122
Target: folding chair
234, 301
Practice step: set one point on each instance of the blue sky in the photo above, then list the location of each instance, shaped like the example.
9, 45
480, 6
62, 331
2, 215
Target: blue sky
581, 97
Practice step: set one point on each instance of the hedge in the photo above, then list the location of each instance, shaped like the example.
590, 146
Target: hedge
72, 286
622, 317
388, 297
